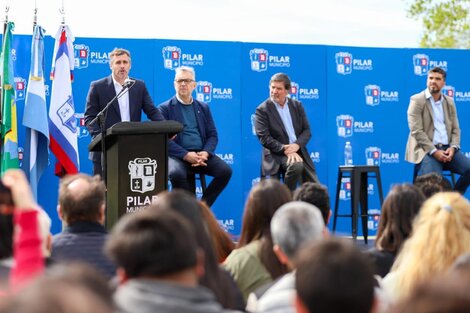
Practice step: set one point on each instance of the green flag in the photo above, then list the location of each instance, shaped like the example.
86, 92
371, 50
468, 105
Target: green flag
9, 154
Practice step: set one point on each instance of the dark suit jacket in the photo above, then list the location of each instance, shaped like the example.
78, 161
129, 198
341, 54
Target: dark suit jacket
273, 135
171, 110
102, 91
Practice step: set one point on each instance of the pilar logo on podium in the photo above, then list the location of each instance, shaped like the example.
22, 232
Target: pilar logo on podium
142, 173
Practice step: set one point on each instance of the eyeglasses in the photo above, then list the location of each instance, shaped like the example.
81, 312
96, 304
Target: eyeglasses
186, 81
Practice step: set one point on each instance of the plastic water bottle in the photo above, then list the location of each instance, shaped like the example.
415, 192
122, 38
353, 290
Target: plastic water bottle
348, 155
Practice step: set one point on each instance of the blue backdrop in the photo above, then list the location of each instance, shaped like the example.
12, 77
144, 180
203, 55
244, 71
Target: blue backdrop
350, 94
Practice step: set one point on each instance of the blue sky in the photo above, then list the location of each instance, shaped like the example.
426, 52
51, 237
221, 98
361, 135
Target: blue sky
367, 23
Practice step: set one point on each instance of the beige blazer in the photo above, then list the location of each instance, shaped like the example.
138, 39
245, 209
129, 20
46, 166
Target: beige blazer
421, 124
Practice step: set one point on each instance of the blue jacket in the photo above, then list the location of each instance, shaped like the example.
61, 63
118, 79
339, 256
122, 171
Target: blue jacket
171, 110
83, 241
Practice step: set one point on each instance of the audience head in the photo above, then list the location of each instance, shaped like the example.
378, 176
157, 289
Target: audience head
334, 276
263, 200
432, 183
293, 225
186, 204
441, 233
152, 243
84, 275
81, 292
221, 239
441, 294
81, 198
398, 212
316, 194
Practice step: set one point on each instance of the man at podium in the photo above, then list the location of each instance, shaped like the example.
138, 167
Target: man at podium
129, 98
193, 149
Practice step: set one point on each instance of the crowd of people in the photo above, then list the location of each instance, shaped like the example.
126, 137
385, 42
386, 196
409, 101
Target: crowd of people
174, 257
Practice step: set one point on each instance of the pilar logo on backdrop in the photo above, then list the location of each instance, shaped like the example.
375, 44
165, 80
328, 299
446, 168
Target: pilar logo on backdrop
373, 155
20, 88
173, 58
298, 93
260, 59
344, 124
345, 63
142, 173
374, 95
83, 56
457, 95
204, 91
422, 64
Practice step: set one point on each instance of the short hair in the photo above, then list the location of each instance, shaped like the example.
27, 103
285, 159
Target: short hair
294, 224
432, 183
399, 209
439, 70
316, 194
334, 276
58, 294
188, 69
118, 52
84, 205
152, 243
283, 78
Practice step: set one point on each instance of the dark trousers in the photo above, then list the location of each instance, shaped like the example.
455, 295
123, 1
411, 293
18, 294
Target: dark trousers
216, 168
460, 164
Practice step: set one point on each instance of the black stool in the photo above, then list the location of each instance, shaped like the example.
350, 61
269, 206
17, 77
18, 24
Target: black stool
359, 180
192, 177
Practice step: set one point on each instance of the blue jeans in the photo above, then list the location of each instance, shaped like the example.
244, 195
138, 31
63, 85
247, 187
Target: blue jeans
460, 164
216, 168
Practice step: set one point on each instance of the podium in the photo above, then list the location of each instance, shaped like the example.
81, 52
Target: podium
136, 164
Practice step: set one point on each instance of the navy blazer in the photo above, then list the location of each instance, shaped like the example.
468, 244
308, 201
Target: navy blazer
273, 135
102, 91
171, 110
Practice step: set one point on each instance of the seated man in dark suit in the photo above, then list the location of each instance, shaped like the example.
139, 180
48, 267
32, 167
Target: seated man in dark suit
127, 107
193, 149
283, 129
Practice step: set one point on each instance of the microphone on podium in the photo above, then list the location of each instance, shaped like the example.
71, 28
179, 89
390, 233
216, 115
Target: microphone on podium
128, 83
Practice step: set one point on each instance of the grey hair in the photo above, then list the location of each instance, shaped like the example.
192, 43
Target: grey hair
185, 69
294, 224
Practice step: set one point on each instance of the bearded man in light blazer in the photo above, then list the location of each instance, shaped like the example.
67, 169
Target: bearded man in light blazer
283, 130
434, 140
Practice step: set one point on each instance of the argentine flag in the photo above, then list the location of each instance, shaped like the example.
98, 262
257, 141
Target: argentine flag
36, 151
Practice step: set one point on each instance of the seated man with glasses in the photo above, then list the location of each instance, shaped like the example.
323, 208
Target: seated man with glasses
192, 151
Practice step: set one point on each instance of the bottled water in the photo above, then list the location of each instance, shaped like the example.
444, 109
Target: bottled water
348, 155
